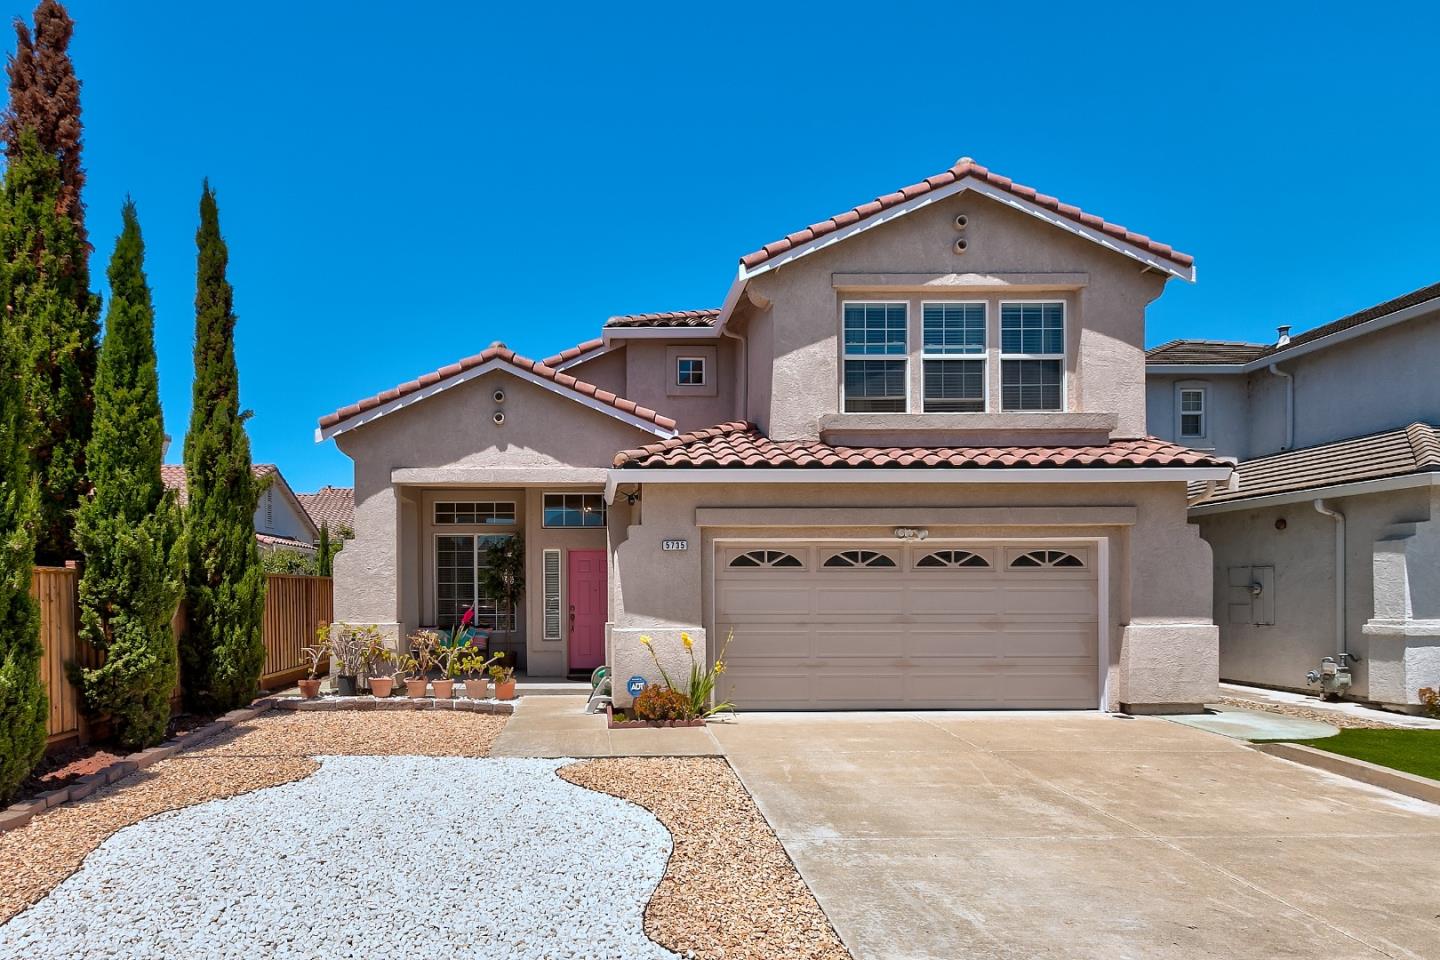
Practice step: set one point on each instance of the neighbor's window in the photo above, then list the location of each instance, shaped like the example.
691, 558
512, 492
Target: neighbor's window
1192, 412
470, 511
574, 510
1032, 356
875, 357
951, 331
690, 372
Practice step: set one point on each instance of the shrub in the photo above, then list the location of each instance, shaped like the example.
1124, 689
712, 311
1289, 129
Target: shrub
289, 561
1430, 697
662, 703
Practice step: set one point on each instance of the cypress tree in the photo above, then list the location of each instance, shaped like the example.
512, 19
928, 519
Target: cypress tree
129, 526
63, 330
223, 654
323, 555
23, 705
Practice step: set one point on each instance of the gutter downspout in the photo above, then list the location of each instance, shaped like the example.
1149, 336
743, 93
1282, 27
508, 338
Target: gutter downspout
742, 399
1339, 518
1289, 405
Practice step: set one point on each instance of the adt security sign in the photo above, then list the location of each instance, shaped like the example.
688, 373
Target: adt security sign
635, 684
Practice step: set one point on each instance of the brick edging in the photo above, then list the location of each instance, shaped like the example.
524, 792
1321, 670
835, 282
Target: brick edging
18, 815
337, 704
1420, 788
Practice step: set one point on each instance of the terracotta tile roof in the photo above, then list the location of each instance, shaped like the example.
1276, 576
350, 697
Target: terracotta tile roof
741, 444
334, 506
1394, 453
964, 167
173, 476
270, 540
1206, 351
498, 351
672, 318
571, 353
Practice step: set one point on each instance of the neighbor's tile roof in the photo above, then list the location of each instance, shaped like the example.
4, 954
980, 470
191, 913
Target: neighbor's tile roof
964, 167
672, 318
1363, 316
173, 476
498, 351
334, 506
740, 444
270, 540
1205, 351
1394, 453
570, 353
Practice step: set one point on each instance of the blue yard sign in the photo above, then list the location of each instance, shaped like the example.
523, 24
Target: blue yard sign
635, 684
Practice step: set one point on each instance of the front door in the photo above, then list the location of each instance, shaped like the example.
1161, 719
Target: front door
588, 608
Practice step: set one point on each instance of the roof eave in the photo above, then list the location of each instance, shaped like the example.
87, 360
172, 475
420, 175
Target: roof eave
1192, 368
1402, 481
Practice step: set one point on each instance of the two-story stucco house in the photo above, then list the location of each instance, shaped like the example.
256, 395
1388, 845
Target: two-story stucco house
905, 463
1330, 545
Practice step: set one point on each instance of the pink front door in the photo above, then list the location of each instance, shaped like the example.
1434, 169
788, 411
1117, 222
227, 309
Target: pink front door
588, 608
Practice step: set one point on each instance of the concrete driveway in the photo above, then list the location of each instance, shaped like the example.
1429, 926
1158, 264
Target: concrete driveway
950, 836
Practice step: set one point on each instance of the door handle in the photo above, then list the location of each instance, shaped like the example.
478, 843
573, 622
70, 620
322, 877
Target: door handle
572, 614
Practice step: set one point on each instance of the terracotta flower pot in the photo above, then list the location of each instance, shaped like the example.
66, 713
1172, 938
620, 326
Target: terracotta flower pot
444, 689
505, 690
381, 686
415, 689
310, 689
477, 688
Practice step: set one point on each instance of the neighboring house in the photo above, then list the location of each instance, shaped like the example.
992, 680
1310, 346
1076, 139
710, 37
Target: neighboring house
905, 463
1336, 432
281, 523
332, 506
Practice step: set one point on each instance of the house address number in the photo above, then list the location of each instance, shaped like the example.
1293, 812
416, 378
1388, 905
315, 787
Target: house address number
674, 544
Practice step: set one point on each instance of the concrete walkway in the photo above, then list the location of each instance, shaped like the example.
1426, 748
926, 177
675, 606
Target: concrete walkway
949, 836
1255, 724
558, 726
1283, 698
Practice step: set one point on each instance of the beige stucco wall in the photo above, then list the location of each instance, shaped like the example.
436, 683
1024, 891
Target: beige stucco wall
1159, 592
1104, 321
643, 370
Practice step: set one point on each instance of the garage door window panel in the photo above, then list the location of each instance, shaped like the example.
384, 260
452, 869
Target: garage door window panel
949, 559
760, 559
1047, 559
860, 559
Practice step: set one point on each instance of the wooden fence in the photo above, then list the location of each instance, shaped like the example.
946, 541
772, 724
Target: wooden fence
294, 608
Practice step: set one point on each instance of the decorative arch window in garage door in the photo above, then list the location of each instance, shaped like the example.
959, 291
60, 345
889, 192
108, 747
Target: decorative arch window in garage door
766, 558
860, 558
1039, 559
952, 558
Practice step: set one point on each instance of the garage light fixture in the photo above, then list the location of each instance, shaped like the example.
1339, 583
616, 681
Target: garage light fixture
911, 533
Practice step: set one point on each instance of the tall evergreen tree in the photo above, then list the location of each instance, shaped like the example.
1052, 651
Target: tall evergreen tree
23, 706
223, 654
129, 526
45, 100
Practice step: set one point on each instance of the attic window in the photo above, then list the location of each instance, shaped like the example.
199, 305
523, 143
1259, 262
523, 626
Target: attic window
690, 372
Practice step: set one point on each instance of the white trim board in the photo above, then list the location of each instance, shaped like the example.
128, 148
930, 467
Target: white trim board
366, 416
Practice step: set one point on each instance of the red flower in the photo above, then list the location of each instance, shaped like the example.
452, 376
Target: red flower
467, 617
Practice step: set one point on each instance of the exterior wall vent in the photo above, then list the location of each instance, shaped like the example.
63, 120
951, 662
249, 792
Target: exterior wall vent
499, 417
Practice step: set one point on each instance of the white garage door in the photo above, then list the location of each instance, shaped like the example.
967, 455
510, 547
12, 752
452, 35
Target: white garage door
820, 626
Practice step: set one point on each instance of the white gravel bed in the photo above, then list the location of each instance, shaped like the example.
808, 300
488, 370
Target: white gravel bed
370, 857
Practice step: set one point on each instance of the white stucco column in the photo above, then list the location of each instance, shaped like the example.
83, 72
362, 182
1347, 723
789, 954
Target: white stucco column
1404, 633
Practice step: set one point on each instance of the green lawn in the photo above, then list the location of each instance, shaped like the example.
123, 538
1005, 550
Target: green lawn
1413, 751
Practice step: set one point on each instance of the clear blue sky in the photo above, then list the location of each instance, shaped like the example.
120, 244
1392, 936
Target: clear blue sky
400, 190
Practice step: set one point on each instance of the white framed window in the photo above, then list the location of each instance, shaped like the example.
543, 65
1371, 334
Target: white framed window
574, 510
1192, 413
875, 337
952, 357
1032, 355
690, 372
460, 564
487, 512
550, 575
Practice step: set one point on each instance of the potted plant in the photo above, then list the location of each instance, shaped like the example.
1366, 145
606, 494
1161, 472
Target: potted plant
448, 655
377, 658
312, 656
504, 679
472, 667
423, 644
347, 644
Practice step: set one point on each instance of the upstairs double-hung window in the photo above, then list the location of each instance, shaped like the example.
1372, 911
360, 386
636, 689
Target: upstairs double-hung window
953, 357
1032, 356
876, 348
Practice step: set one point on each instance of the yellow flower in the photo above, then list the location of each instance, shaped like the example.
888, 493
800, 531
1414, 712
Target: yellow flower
719, 666
645, 639
685, 639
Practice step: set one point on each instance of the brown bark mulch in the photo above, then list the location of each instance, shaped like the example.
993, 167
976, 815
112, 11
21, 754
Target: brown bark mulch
268, 751
730, 890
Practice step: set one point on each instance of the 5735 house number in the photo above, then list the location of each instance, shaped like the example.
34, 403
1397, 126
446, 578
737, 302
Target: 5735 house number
674, 544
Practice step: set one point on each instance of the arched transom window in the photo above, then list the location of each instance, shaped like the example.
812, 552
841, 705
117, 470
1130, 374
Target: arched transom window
766, 558
952, 558
859, 558
1046, 558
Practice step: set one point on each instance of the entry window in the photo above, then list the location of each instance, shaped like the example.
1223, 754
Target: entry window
951, 331
876, 347
574, 510
690, 372
460, 565
859, 558
1032, 356
475, 511
1192, 412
